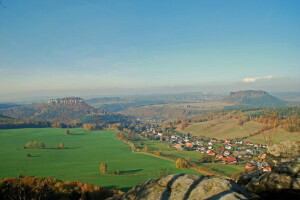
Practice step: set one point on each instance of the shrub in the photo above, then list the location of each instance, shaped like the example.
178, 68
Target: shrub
181, 163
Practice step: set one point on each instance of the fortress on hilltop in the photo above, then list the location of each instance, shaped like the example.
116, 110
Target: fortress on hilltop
67, 100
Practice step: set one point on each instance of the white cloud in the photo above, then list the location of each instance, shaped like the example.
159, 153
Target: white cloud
269, 77
252, 80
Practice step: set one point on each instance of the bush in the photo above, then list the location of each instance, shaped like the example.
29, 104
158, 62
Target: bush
35, 145
181, 163
157, 153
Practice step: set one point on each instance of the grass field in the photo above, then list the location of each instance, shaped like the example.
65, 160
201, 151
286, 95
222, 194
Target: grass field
222, 129
279, 136
84, 152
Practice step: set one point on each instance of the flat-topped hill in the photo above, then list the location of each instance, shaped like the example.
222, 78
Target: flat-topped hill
254, 98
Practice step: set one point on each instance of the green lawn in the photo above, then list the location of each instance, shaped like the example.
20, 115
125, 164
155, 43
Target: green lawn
227, 169
80, 160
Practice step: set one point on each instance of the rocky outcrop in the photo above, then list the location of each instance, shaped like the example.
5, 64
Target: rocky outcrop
286, 151
184, 187
284, 181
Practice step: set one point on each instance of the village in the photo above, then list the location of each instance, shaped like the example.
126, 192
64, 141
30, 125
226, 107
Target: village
229, 151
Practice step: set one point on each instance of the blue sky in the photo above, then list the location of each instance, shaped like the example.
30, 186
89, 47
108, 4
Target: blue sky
88, 46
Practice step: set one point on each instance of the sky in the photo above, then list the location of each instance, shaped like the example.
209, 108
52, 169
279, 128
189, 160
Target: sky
111, 47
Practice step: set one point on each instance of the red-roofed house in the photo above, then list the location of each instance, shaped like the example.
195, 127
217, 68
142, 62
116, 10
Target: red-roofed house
249, 143
267, 169
189, 145
249, 165
229, 159
179, 146
219, 156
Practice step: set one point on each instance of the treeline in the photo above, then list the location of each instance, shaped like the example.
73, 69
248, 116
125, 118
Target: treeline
12, 124
51, 189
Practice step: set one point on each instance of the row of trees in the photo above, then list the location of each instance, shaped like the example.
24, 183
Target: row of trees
40, 145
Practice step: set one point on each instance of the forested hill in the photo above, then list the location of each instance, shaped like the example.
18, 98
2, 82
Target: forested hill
254, 98
67, 113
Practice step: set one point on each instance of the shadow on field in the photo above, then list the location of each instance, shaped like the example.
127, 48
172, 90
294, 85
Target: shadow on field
76, 134
131, 171
32, 156
72, 147
123, 189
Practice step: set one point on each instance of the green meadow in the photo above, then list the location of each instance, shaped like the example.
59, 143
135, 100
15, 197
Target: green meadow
83, 152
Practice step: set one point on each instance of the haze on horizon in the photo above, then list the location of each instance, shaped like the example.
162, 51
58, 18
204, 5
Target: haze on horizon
89, 47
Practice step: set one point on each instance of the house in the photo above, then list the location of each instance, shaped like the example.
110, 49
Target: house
248, 155
229, 159
249, 144
263, 156
267, 169
199, 142
226, 153
179, 146
213, 140
250, 151
208, 151
249, 165
211, 153
210, 143
257, 145
210, 147
239, 142
228, 141
189, 145
228, 147
219, 156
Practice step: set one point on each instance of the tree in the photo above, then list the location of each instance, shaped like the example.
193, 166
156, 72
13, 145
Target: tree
146, 149
181, 163
67, 132
61, 145
103, 168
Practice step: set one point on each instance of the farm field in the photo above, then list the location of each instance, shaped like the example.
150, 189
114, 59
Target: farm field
84, 152
221, 129
279, 136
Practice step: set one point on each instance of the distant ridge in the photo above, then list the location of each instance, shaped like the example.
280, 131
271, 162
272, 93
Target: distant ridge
65, 110
254, 98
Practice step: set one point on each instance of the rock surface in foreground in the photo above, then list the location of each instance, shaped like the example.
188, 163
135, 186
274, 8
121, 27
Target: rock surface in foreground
185, 187
282, 183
